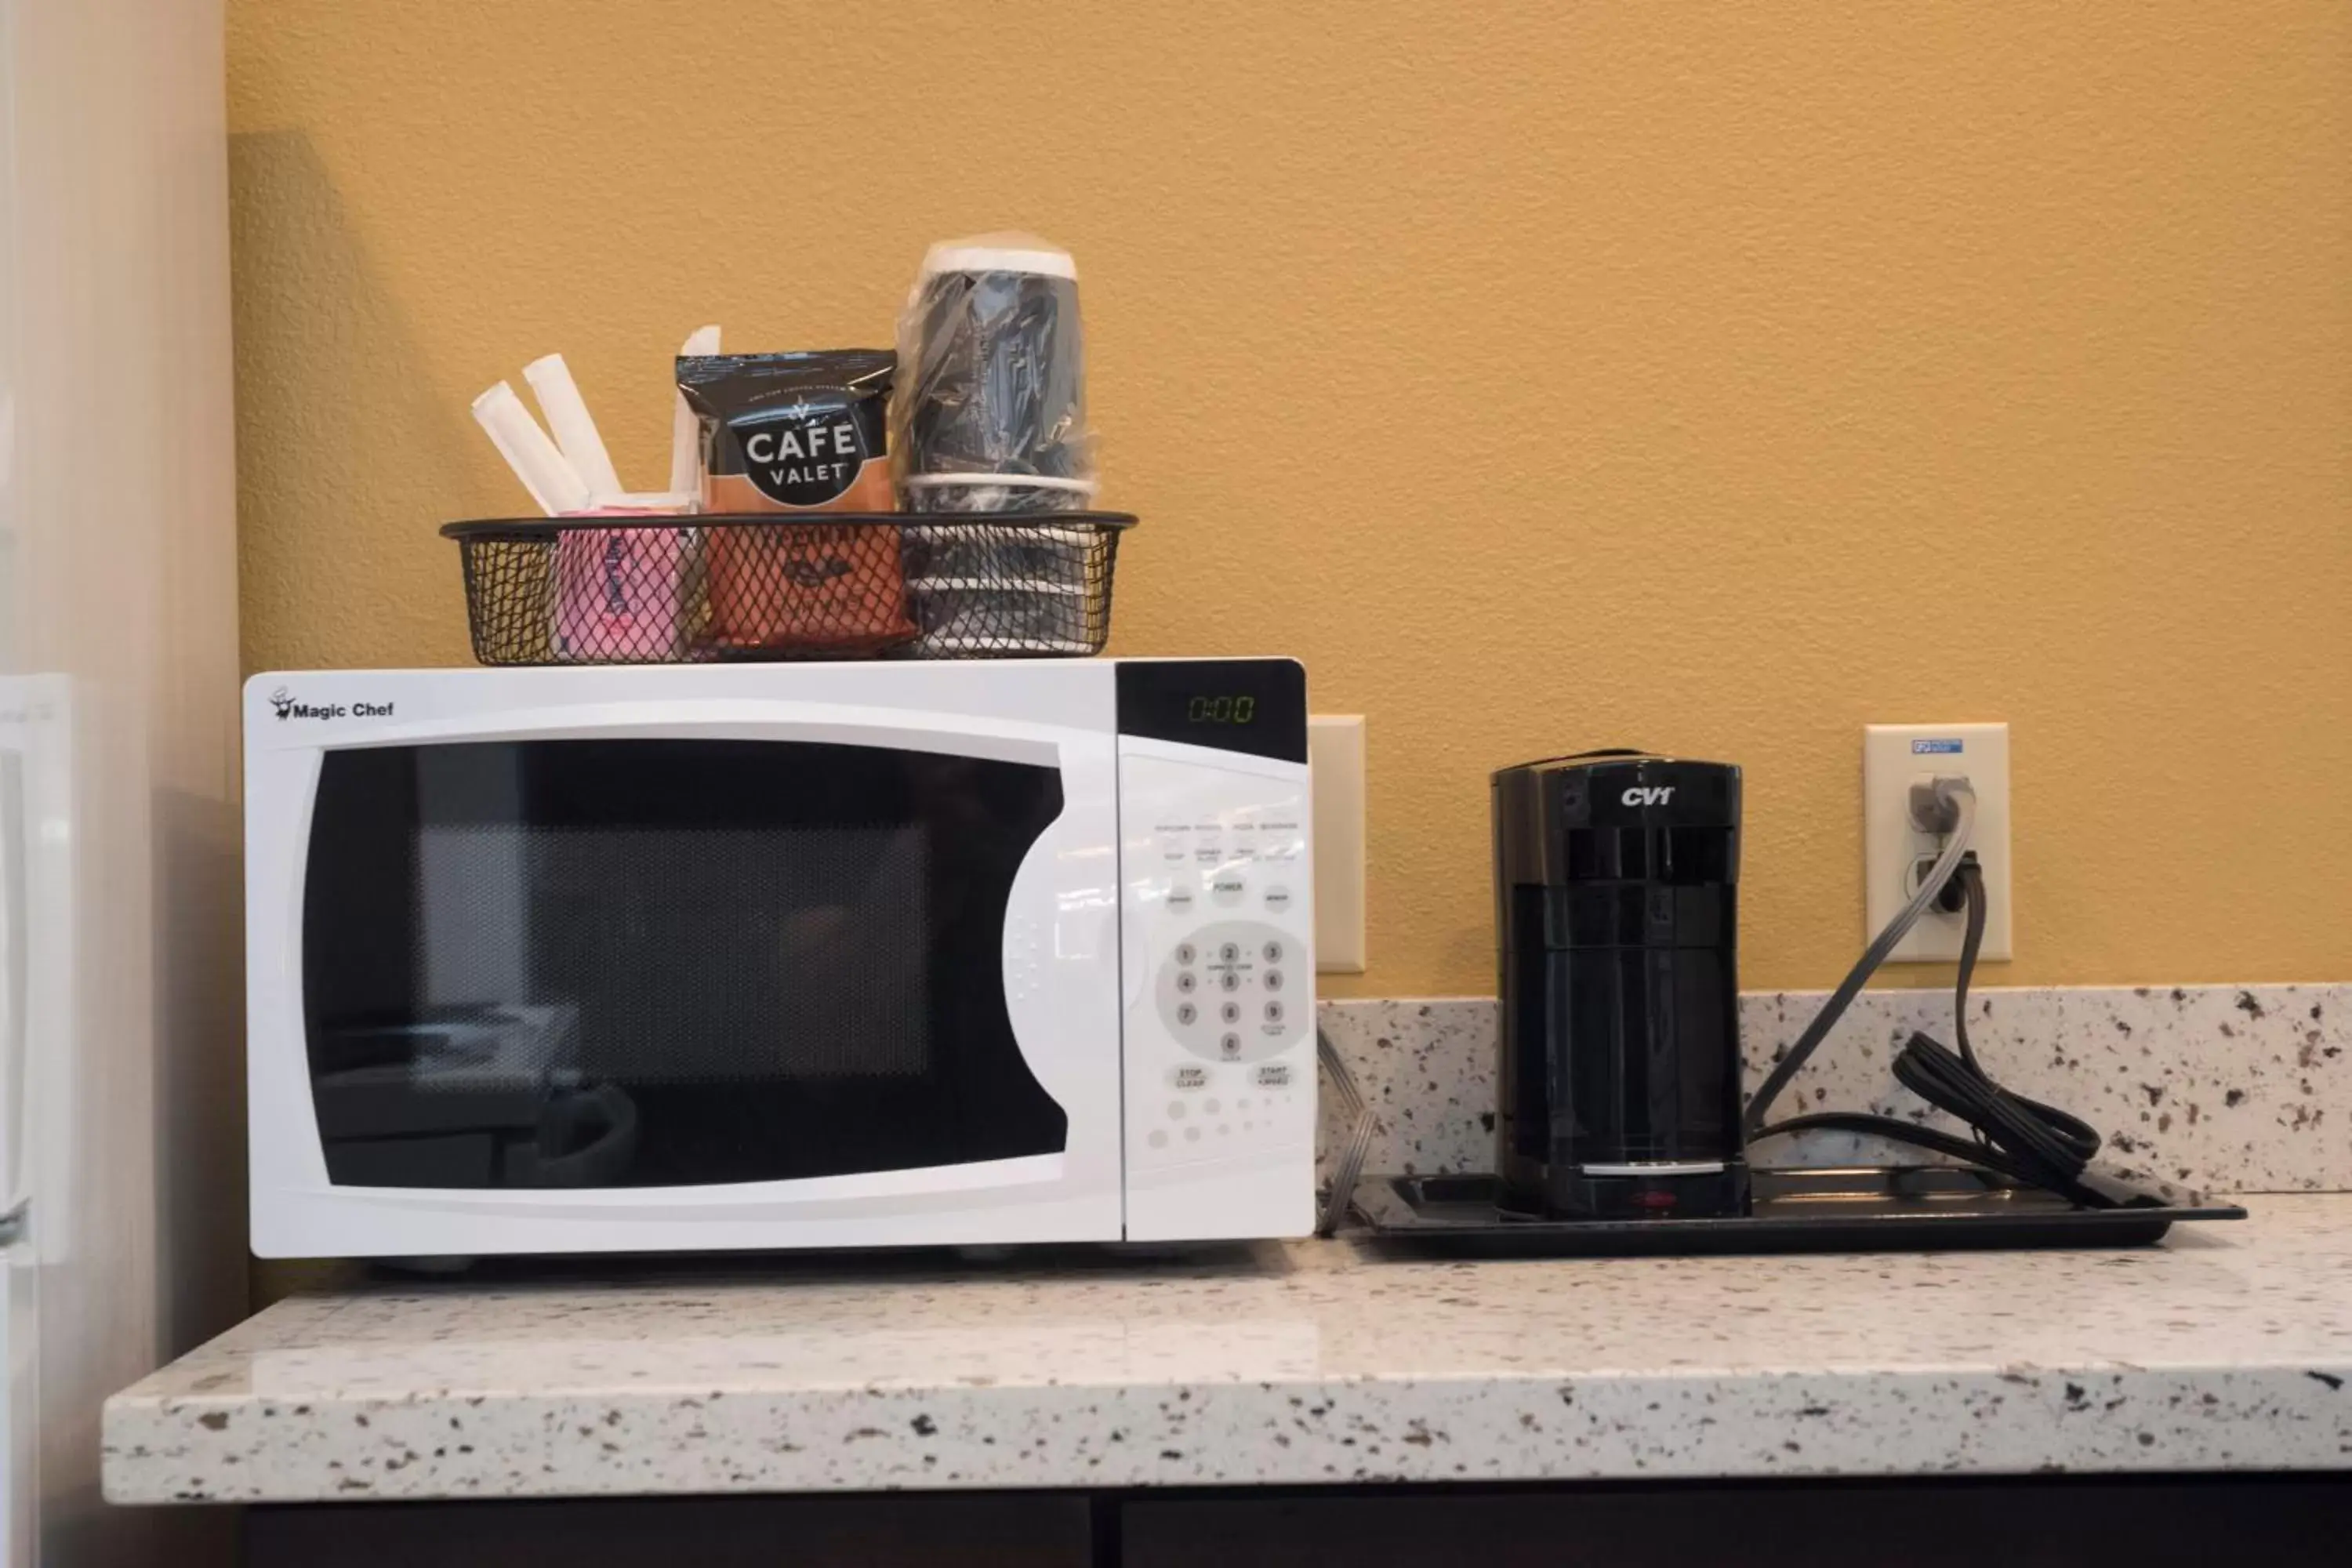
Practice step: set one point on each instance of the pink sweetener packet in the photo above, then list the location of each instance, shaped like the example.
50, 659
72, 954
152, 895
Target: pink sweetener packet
619, 591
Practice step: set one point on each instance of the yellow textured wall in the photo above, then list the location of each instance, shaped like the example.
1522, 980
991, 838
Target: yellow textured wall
1716, 379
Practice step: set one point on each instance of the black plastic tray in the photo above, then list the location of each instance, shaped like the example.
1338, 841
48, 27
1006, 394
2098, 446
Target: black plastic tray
1851, 1208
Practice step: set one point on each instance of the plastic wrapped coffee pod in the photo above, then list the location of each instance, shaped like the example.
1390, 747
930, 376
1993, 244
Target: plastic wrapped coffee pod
971, 493
981, 553
993, 586
958, 617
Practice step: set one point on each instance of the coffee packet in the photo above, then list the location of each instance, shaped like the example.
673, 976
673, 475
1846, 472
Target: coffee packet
793, 432
798, 433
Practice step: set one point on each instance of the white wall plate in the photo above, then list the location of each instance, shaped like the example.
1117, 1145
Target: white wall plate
1893, 757
1335, 751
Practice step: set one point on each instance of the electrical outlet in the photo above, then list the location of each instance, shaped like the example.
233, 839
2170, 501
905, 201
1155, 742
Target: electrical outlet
1896, 852
1335, 750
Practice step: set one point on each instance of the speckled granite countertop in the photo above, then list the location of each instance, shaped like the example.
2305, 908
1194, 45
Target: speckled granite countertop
2229, 1347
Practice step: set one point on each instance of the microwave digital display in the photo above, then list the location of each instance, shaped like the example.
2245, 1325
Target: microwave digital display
1253, 705
1227, 708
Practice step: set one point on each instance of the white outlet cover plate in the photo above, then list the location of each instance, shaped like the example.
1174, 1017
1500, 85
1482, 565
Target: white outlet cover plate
1335, 754
1892, 756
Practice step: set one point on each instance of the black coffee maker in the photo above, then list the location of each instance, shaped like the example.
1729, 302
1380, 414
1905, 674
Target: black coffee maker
1616, 917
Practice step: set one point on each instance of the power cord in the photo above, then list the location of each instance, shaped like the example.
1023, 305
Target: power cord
2018, 1137
1960, 800
1347, 1163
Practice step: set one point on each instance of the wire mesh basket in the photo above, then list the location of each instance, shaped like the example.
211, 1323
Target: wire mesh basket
692, 589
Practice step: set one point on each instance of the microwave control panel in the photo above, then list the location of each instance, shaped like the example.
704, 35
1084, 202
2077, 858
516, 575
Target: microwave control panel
1218, 923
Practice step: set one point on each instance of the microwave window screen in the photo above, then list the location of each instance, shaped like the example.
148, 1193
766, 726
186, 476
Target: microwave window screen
664, 963
781, 952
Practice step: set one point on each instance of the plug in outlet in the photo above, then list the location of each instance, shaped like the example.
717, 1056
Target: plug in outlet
1896, 851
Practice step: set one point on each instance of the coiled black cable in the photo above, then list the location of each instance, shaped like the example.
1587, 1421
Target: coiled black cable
2018, 1137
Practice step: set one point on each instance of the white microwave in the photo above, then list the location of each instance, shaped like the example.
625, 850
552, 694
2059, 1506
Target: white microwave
754, 956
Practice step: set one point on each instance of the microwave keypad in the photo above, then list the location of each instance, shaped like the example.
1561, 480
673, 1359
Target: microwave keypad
1222, 912
1241, 967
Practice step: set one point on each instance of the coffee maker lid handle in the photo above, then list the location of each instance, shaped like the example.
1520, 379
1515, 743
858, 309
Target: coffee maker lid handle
1596, 755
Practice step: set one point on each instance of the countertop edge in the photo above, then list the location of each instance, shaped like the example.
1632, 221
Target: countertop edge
1820, 1422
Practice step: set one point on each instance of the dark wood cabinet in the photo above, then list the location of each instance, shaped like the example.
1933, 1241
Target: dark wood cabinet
906, 1529
2157, 1522
2053, 1522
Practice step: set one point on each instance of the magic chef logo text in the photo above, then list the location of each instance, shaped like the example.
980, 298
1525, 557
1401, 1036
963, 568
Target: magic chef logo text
806, 454
286, 707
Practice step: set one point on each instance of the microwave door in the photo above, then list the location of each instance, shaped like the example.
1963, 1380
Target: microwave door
589, 964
